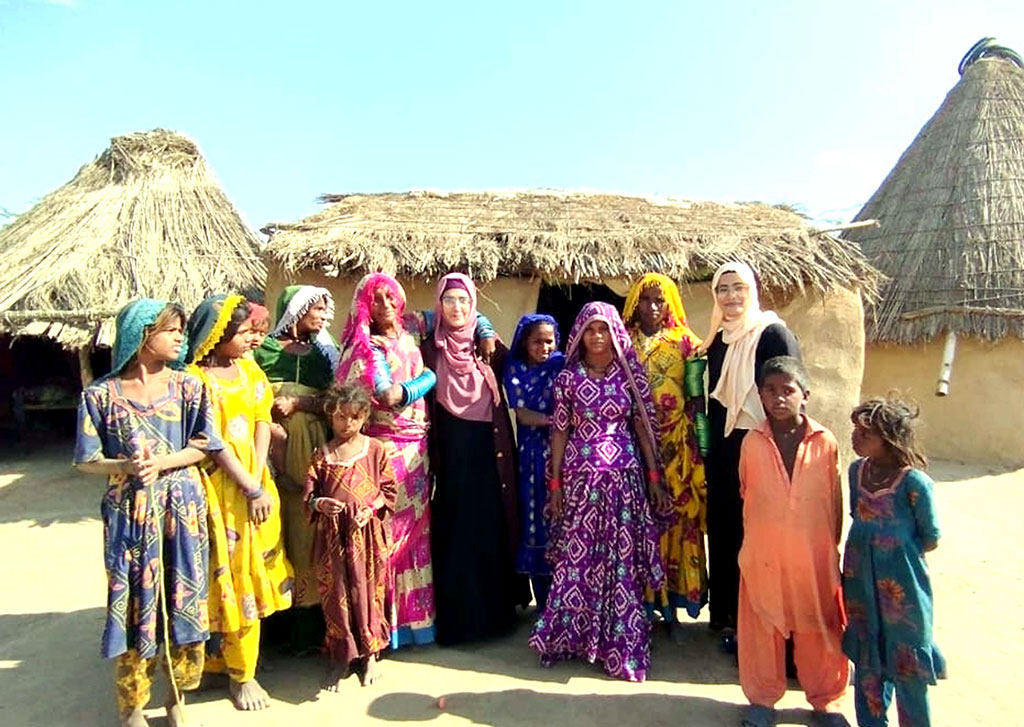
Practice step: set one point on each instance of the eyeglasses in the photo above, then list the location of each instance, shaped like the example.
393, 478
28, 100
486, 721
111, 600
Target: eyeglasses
454, 300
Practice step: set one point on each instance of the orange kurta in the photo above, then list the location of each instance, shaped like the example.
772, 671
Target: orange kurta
789, 567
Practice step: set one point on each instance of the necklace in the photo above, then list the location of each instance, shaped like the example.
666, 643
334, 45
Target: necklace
877, 477
596, 369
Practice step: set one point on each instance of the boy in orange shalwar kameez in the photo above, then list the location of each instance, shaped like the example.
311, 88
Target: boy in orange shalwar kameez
789, 562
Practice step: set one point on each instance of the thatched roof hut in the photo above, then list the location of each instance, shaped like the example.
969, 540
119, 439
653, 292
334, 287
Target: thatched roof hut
557, 236
951, 213
553, 251
951, 241
145, 218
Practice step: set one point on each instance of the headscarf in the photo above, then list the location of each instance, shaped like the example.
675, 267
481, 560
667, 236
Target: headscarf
531, 383
258, 313
622, 345
130, 326
736, 389
356, 361
207, 324
463, 380
295, 302
675, 328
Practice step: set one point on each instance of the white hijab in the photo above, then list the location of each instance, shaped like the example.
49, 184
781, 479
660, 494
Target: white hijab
736, 389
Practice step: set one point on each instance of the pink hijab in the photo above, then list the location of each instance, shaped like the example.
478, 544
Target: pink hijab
466, 386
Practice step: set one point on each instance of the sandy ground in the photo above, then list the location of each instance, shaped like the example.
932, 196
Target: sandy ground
51, 609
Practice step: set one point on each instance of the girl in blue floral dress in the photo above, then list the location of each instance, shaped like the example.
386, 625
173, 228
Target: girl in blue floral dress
530, 370
886, 590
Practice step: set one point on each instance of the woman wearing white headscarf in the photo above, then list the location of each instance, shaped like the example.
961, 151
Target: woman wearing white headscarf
741, 338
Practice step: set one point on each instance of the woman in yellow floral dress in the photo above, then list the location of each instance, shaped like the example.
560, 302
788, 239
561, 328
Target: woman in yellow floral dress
657, 324
250, 577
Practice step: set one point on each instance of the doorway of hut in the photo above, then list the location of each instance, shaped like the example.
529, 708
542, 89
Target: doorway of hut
564, 301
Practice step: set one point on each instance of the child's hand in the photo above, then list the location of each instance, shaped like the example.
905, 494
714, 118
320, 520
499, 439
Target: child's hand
146, 465
260, 508
363, 516
329, 506
554, 506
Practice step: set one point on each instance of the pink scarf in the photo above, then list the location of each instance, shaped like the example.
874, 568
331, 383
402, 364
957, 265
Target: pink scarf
463, 380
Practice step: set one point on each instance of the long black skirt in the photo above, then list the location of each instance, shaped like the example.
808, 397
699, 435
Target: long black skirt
474, 573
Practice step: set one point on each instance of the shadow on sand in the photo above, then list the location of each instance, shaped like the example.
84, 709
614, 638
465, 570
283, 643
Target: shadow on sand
526, 708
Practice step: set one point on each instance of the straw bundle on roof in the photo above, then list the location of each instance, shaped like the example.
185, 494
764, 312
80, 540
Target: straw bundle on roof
561, 237
951, 239
146, 218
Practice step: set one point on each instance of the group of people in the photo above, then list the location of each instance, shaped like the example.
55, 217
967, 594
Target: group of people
375, 493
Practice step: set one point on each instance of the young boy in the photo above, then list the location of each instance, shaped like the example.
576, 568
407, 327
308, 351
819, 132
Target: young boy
789, 562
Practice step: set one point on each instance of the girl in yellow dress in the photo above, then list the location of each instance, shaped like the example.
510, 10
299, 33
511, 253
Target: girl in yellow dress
664, 343
250, 577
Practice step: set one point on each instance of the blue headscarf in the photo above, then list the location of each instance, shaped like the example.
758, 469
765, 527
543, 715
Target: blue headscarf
527, 386
131, 325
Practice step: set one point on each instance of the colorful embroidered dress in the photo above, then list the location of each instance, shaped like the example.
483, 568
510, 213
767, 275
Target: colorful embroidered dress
888, 596
365, 359
308, 374
112, 426
664, 356
532, 387
605, 546
352, 561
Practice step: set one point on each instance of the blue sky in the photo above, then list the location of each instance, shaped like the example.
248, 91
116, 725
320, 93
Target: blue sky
807, 103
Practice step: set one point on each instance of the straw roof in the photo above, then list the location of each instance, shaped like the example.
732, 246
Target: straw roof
951, 213
145, 218
561, 237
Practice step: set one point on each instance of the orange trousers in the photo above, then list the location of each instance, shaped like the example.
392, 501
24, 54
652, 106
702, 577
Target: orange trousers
822, 668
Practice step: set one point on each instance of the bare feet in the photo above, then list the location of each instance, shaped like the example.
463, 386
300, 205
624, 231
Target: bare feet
135, 719
176, 714
336, 677
370, 672
248, 696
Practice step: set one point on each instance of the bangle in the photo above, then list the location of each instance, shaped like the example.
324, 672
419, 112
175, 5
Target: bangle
653, 476
255, 494
555, 483
314, 504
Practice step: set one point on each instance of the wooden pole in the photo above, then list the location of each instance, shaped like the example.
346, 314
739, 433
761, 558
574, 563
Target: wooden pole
942, 389
85, 365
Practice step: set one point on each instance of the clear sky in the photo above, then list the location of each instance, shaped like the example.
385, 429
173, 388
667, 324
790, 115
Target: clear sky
808, 103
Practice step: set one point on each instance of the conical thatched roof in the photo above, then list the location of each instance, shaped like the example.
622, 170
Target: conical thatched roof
951, 213
146, 218
561, 237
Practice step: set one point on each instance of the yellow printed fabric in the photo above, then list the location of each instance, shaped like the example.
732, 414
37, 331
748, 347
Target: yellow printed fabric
250, 577
133, 675
307, 432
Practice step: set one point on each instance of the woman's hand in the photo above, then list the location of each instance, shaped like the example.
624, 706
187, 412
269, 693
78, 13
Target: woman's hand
329, 506
146, 466
485, 349
659, 498
285, 406
260, 508
392, 397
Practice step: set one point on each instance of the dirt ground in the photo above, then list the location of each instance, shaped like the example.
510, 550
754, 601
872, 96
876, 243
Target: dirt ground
52, 602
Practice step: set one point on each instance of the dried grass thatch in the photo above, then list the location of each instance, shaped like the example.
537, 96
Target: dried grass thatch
146, 218
951, 239
563, 237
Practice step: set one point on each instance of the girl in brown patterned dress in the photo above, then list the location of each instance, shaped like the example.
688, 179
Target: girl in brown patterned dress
350, 493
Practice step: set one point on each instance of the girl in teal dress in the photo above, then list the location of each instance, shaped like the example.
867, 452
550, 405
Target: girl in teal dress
886, 590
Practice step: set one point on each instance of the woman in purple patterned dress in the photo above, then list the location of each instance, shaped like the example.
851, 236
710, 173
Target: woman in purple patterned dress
604, 540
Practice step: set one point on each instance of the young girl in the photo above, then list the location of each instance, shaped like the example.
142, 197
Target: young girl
886, 588
530, 370
350, 492
250, 578
789, 562
604, 542
146, 426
